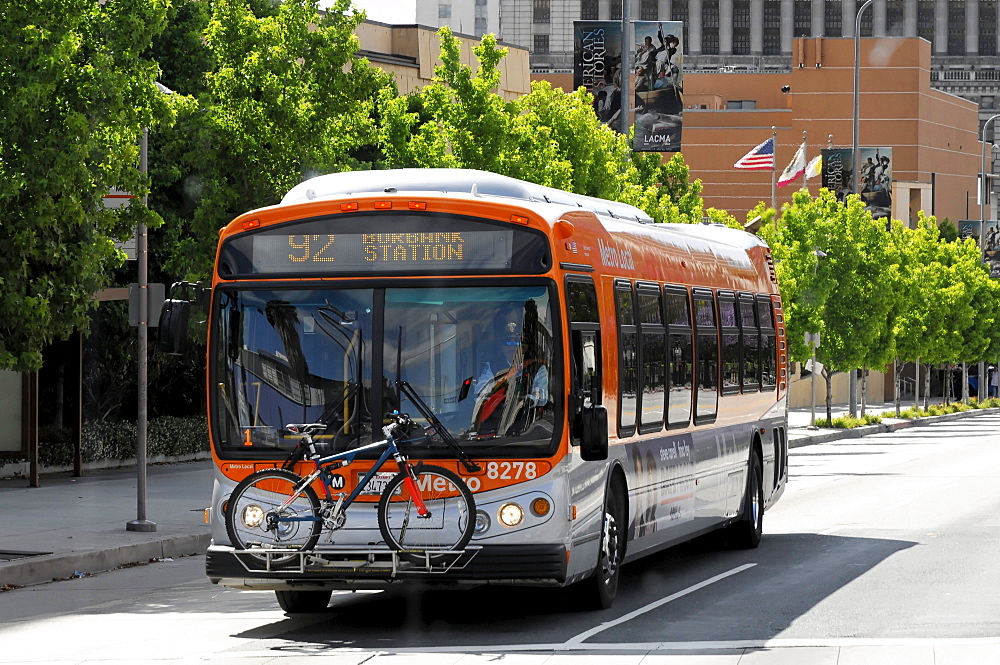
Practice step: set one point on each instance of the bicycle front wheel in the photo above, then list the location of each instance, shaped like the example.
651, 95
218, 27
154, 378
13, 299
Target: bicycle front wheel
450, 518
257, 517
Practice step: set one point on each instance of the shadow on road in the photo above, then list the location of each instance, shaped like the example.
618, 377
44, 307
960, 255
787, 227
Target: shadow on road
794, 572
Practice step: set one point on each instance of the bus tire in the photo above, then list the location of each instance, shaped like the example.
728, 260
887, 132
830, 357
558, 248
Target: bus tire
598, 591
746, 532
295, 601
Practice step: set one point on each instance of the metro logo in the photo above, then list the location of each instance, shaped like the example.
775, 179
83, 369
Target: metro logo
436, 484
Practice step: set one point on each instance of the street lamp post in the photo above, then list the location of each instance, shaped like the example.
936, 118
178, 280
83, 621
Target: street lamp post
856, 158
983, 200
812, 339
140, 523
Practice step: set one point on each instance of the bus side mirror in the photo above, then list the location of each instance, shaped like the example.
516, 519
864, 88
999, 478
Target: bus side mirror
174, 326
594, 433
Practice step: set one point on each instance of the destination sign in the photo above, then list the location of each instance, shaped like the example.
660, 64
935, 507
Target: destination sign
369, 244
388, 251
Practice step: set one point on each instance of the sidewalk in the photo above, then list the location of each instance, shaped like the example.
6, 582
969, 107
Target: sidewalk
78, 524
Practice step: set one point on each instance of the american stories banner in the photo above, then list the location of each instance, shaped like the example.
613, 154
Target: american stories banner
875, 181
597, 48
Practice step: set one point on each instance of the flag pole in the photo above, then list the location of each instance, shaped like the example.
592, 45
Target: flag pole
774, 173
805, 158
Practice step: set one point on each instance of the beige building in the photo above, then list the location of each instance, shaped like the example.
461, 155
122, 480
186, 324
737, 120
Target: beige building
411, 52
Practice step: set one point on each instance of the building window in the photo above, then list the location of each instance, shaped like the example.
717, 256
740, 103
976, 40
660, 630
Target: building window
834, 18
956, 28
925, 20
444, 11
649, 10
542, 12
541, 46
710, 27
616, 11
481, 26
772, 27
802, 19
741, 27
895, 23
589, 10
988, 27
679, 12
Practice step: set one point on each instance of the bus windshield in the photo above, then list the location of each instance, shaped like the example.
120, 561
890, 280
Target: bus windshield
482, 359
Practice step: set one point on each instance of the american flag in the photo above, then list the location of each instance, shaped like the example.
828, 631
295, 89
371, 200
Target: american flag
760, 158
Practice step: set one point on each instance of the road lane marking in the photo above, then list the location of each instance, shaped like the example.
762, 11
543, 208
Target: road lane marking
576, 640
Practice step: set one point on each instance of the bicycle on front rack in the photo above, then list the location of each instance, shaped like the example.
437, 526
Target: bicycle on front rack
424, 511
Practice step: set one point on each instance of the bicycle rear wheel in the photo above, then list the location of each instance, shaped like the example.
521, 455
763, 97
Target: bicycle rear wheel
254, 522
446, 528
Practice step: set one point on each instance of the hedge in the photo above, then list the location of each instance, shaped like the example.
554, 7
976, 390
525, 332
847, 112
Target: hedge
116, 440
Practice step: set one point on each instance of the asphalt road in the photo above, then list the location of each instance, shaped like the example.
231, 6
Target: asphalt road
883, 549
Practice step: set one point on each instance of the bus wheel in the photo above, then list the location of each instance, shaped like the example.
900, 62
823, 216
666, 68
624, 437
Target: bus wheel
746, 533
303, 602
599, 590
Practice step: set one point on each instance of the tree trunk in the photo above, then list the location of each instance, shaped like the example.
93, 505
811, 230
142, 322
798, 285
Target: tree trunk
927, 387
864, 390
896, 383
828, 376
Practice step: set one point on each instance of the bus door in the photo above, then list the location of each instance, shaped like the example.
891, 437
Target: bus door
585, 349
587, 480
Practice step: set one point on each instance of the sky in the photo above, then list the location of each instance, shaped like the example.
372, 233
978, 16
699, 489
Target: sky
389, 11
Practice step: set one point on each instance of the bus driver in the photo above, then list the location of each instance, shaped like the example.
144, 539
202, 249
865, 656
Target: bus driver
508, 401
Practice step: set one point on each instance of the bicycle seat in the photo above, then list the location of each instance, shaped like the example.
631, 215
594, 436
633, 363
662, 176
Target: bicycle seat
306, 428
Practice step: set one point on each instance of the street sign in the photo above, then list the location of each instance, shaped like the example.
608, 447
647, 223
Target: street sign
814, 366
156, 294
119, 198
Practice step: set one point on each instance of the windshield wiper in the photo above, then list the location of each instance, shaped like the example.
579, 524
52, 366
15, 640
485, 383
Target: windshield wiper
407, 391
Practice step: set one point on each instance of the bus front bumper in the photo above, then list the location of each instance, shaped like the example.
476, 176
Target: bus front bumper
342, 568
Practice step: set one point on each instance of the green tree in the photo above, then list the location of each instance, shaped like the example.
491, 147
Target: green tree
847, 295
548, 136
75, 93
918, 317
286, 98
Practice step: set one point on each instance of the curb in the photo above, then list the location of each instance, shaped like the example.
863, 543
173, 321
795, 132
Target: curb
55, 567
801, 436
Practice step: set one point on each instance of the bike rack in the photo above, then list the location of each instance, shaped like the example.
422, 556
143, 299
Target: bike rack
366, 562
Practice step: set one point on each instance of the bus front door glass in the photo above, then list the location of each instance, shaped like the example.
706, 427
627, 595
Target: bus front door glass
291, 356
499, 339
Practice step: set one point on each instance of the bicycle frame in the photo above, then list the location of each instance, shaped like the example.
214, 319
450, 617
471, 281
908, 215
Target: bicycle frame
348, 457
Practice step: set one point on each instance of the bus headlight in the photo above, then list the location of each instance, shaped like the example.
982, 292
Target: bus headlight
482, 523
252, 516
511, 514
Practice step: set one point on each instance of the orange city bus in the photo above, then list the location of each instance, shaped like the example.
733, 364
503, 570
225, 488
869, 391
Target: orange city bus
649, 402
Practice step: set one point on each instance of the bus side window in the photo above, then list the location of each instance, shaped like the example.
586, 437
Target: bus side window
585, 340
680, 353
628, 360
706, 356
750, 335
768, 351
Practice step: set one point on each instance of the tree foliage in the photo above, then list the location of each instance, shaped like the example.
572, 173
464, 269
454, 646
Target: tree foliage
286, 98
75, 92
881, 292
548, 136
